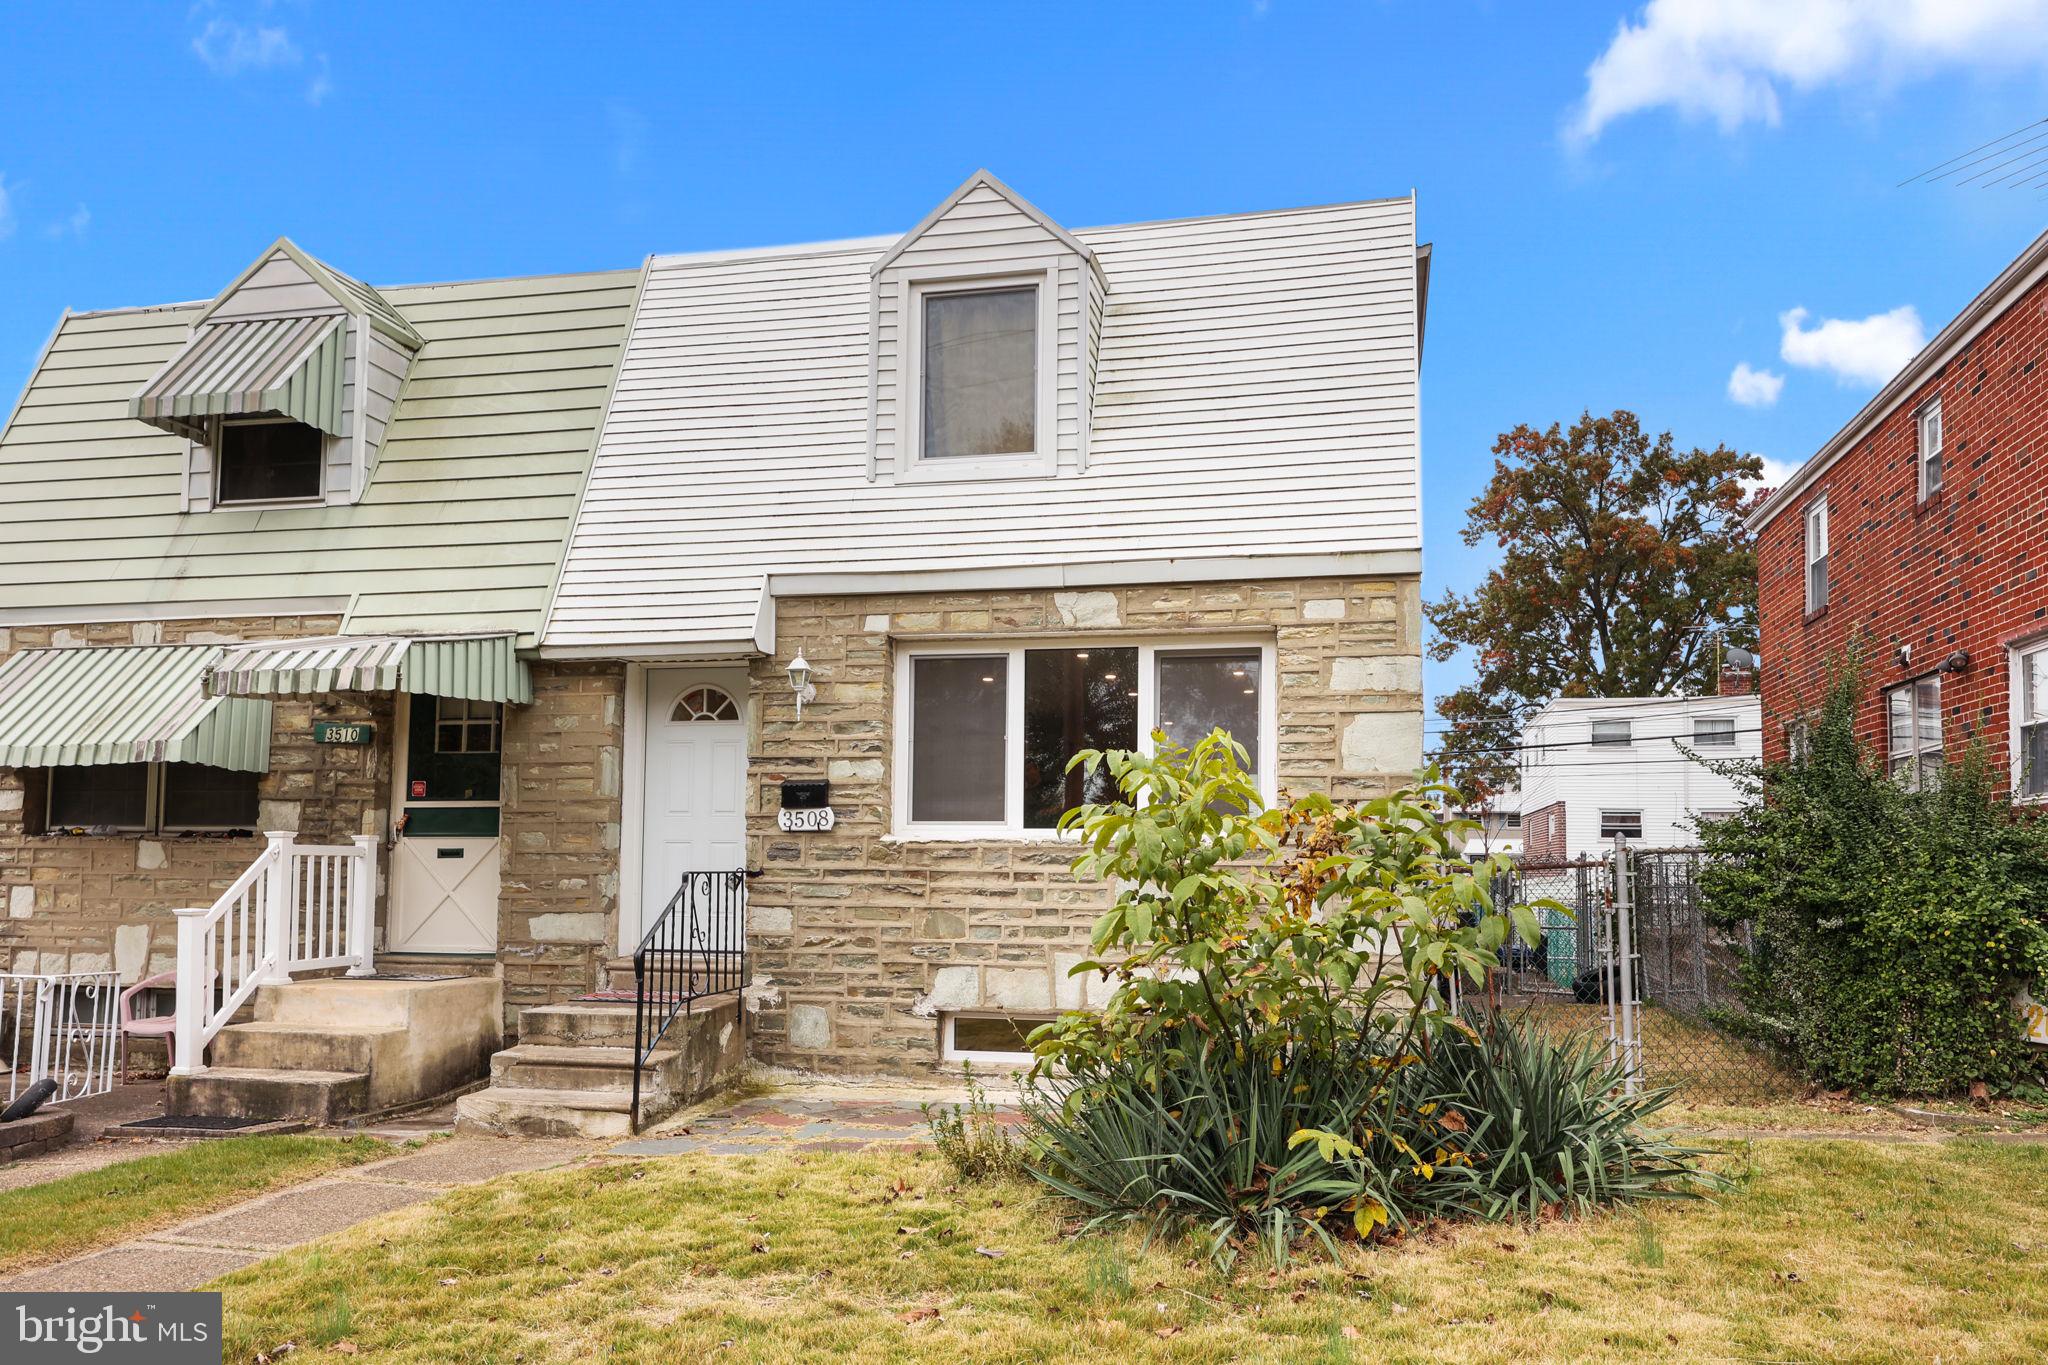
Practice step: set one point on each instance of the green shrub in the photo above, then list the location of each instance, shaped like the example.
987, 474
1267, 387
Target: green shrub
1260, 1070
971, 1138
1890, 930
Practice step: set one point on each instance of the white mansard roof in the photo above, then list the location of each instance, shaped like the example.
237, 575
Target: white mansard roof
1246, 404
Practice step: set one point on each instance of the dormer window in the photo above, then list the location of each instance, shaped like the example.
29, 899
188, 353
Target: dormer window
980, 373
268, 459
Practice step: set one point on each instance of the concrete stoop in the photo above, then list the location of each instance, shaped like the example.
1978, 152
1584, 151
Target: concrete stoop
329, 1050
572, 1073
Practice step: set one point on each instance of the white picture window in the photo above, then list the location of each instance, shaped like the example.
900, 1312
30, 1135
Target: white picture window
1913, 751
1927, 424
979, 374
1626, 823
2030, 720
997, 1038
985, 735
1612, 732
1713, 732
1817, 555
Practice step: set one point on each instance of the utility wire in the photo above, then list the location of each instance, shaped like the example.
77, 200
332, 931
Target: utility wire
1949, 167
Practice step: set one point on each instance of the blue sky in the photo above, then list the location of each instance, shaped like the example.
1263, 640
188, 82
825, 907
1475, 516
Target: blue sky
1622, 215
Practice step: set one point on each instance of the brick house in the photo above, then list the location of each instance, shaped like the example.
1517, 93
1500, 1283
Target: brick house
1921, 530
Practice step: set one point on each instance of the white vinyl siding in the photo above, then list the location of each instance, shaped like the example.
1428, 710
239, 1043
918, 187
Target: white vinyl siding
1817, 555
1913, 747
1256, 390
1927, 456
460, 528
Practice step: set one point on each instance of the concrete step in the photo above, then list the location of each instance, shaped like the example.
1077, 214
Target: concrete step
515, 1112
544, 1066
577, 1024
271, 1046
265, 1093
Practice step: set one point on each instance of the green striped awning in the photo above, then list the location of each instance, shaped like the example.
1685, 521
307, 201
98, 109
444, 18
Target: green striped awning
476, 667
125, 704
294, 366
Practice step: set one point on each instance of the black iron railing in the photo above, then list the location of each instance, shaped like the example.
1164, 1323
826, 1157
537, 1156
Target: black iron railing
696, 948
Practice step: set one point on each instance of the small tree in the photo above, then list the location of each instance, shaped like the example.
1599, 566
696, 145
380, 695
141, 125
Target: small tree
1890, 930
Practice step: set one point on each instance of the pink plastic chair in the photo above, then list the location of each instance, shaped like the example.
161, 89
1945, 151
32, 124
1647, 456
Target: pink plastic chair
146, 1025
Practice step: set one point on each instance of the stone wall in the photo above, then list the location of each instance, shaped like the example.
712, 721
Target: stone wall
87, 903
860, 940
558, 906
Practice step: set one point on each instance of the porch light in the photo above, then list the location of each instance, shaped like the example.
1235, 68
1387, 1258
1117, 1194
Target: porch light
800, 682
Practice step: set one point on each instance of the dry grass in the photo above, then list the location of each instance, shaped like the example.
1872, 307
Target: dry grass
59, 1218
1824, 1250
1707, 1065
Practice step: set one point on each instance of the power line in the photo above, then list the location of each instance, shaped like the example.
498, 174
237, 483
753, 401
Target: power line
1948, 167
1634, 742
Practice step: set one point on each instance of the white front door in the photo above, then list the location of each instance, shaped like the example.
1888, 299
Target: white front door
696, 781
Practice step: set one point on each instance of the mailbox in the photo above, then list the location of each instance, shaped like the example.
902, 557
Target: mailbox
806, 795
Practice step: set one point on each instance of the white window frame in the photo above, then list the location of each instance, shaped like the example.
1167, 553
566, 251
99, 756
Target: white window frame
1041, 461
1604, 822
1926, 452
2017, 655
1722, 738
1798, 740
949, 1053
213, 446
1149, 649
1628, 733
1921, 749
1817, 533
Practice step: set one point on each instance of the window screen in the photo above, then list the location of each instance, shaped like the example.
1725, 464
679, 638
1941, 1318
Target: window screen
268, 461
958, 708
197, 796
980, 373
109, 794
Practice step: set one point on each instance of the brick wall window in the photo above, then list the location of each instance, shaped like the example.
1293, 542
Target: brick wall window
2030, 720
1817, 554
1927, 425
1913, 753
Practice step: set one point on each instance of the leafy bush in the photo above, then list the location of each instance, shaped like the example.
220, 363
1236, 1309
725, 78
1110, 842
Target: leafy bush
971, 1138
1261, 1070
1890, 930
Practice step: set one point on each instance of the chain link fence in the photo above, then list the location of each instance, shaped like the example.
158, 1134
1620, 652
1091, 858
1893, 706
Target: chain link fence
1636, 963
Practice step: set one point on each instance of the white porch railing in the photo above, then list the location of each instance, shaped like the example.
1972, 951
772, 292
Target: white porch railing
298, 908
63, 1026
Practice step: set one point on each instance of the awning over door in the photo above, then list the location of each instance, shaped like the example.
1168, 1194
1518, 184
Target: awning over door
475, 667
295, 366
127, 704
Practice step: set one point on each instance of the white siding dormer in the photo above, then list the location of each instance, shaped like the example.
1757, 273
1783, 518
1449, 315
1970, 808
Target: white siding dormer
984, 247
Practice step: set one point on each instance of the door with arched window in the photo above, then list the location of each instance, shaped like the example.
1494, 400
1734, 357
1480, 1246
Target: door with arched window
696, 776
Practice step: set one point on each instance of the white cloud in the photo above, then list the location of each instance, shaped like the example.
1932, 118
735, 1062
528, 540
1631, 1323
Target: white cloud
1776, 474
1729, 60
72, 224
1754, 388
229, 47
1856, 351
322, 84
6, 211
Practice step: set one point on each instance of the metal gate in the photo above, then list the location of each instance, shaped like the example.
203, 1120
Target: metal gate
60, 1026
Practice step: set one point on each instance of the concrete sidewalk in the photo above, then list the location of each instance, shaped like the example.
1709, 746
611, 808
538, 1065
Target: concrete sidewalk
193, 1252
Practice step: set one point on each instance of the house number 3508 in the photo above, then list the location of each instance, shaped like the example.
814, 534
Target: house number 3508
811, 821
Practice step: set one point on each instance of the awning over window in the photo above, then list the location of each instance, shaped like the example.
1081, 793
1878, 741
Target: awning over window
476, 667
129, 704
295, 366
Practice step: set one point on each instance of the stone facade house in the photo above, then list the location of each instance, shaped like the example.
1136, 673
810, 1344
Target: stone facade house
998, 490
1919, 533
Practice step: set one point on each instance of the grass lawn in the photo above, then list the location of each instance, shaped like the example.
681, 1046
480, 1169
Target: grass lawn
1825, 1250
62, 1217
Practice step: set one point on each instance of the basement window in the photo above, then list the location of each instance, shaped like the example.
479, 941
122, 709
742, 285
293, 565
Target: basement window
268, 459
999, 1038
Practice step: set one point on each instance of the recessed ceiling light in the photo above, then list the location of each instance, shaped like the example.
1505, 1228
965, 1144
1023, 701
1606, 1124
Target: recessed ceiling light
1248, 691
1080, 653
1109, 677
990, 678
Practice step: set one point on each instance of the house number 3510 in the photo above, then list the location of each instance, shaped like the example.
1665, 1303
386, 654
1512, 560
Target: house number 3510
813, 821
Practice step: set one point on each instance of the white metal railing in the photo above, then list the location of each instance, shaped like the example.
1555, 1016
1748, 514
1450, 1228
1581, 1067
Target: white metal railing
61, 1026
297, 908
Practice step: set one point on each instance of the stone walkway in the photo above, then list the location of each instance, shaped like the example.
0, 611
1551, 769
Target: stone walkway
778, 1123
193, 1252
